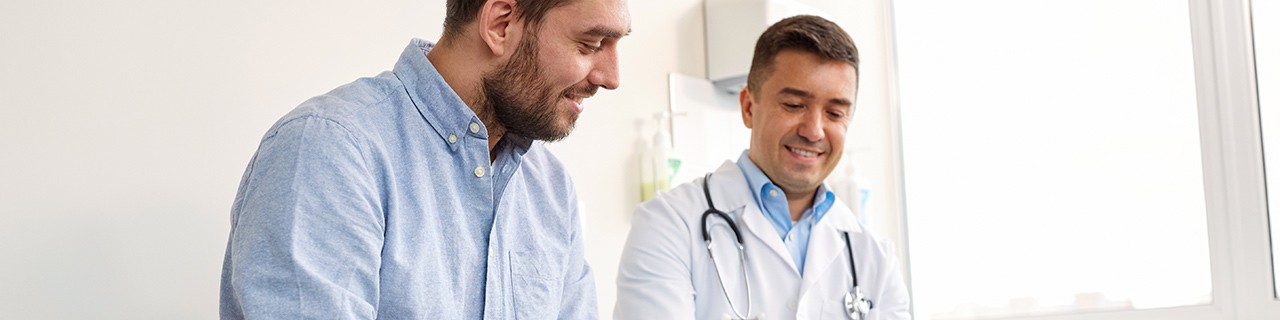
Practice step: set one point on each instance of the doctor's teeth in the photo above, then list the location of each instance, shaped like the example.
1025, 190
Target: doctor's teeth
803, 153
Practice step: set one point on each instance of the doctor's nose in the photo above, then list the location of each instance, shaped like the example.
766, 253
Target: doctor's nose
811, 127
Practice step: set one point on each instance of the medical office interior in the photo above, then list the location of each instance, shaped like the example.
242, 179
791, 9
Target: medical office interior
1095, 159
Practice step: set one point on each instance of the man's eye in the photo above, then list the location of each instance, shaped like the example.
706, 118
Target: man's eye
792, 105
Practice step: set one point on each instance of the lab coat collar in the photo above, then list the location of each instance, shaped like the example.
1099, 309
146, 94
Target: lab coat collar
732, 194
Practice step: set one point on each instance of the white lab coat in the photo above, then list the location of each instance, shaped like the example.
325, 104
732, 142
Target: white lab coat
666, 273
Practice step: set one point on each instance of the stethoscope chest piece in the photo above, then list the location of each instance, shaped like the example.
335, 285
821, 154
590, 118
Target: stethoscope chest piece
856, 304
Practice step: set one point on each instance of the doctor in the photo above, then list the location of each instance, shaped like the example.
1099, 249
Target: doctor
798, 103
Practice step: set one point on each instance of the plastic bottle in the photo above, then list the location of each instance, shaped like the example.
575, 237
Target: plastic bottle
646, 171
661, 163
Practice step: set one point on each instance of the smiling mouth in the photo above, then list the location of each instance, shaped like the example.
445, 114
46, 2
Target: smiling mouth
803, 153
575, 102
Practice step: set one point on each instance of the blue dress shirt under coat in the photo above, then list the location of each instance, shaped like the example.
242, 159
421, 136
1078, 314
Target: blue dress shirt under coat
773, 203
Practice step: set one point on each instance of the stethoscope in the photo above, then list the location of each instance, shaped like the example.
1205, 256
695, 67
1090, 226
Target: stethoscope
856, 304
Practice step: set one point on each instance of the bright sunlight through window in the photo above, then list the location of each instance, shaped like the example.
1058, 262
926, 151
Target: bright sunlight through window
1051, 157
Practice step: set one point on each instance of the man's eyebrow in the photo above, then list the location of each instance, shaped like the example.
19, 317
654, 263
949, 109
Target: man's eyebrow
796, 92
805, 94
601, 31
841, 102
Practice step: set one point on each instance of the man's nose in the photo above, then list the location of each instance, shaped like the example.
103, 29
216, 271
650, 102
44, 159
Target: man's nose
605, 71
811, 126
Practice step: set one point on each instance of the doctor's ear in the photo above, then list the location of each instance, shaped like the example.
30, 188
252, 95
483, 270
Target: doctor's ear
497, 24
745, 101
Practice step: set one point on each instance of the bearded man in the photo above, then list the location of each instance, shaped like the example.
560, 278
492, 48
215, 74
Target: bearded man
425, 192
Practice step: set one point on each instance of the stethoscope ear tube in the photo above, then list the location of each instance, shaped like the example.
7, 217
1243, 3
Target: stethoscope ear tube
711, 209
742, 254
706, 234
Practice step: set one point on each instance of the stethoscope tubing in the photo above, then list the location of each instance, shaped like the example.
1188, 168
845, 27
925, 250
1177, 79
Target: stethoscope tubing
848, 246
742, 252
742, 258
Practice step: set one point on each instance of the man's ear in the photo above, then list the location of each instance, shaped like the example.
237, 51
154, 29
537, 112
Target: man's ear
744, 99
496, 21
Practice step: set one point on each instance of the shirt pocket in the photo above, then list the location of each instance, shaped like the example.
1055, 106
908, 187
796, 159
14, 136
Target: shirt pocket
537, 285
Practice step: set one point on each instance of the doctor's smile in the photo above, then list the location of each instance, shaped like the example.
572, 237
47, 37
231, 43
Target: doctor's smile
803, 153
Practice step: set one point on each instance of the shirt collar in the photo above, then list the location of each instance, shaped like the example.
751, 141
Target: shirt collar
760, 183
438, 104
756, 180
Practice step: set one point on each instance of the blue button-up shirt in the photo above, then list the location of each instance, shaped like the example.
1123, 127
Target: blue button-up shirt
773, 203
378, 200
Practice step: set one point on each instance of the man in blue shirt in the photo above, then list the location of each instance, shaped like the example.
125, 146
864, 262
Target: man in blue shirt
800, 245
425, 192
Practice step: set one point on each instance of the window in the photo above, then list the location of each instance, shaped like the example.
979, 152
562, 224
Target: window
1053, 145
1089, 160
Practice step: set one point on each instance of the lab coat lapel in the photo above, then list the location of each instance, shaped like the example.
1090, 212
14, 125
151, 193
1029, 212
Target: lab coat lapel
731, 185
826, 245
761, 228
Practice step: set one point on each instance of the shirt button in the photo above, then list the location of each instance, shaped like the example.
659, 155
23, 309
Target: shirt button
453, 138
479, 171
475, 127
791, 236
773, 193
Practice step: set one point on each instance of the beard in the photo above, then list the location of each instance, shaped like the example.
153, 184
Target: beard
523, 101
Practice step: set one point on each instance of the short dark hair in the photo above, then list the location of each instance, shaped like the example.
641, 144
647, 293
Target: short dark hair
811, 34
461, 12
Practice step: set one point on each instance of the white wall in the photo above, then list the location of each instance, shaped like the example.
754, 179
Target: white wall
125, 127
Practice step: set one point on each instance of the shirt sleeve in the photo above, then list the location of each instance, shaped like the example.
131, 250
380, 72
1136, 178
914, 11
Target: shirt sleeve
307, 228
579, 295
654, 277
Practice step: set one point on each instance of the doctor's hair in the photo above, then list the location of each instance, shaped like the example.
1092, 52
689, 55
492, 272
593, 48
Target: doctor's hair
459, 13
806, 33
